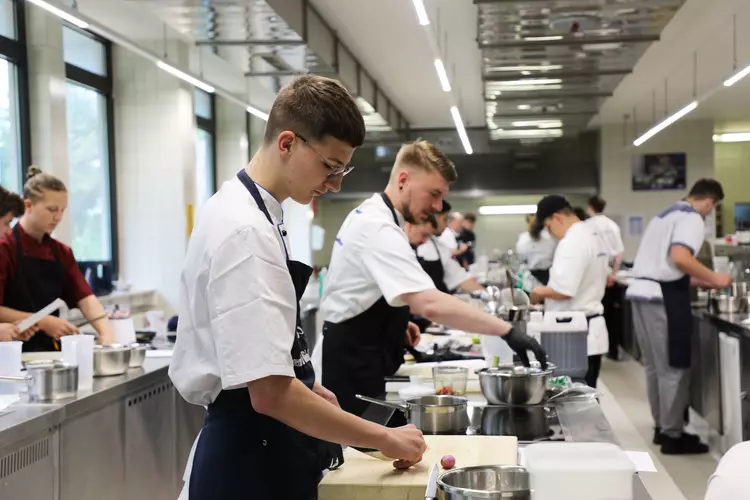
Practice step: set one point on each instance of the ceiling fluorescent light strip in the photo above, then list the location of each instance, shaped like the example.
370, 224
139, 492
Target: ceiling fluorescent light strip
507, 209
185, 77
424, 19
543, 38
737, 77
60, 13
732, 137
666, 123
442, 75
461, 130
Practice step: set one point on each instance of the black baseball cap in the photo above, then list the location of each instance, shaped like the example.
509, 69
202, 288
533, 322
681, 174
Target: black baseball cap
549, 206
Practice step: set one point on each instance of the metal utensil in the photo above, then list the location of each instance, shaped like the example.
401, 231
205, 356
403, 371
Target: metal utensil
137, 355
431, 491
516, 385
431, 414
491, 482
48, 380
111, 360
511, 286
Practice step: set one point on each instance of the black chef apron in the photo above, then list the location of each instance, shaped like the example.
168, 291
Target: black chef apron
541, 275
676, 297
35, 284
434, 268
359, 352
242, 454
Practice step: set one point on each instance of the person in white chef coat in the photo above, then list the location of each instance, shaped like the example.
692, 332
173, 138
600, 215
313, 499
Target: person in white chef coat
729, 481
611, 239
374, 282
536, 247
450, 236
578, 275
271, 427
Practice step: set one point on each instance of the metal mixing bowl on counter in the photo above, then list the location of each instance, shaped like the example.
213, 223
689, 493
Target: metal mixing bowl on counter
515, 385
490, 482
111, 359
137, 355
728, 304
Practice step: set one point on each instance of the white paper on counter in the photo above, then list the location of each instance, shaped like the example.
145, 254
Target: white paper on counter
7, 400
159, 353
40, 315
640, 459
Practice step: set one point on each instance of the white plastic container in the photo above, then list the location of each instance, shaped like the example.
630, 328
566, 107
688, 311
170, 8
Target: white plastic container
79, 350
10, 365
564, 335
579, 471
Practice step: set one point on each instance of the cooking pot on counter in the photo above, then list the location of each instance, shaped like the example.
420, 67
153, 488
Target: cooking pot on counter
48, 380
515, 385
432, 414
109, 360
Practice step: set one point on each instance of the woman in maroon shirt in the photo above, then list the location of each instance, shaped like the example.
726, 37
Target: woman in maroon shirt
36, 269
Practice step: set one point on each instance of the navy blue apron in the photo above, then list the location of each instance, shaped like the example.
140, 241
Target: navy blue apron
541, 275
434, 268
36, 283
676, 297
242, 454
360, 352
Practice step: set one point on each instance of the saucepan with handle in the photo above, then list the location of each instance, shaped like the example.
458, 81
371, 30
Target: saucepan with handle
431, 414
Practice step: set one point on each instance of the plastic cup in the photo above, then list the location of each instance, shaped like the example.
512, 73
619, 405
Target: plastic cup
450, 380
10, 365
79, 350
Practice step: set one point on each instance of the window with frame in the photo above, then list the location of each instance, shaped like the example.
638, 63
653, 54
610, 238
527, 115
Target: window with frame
205, 146
15, 146
88, 69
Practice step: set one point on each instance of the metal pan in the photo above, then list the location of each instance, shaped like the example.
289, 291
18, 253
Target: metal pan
432, 414
49, 380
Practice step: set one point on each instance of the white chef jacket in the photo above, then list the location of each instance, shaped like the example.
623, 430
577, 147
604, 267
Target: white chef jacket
537, 254
609, 234
730, 479
679, 224
433, 250
449, 239
579, 270
238, 309
371, 258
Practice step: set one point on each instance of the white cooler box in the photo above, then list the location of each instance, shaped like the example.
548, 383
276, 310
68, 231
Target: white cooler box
564, 335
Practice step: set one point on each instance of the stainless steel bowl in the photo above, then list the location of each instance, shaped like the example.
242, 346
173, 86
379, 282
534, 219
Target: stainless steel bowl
727, 304
514, 385
493, 482
48, 380
137, 355
111, 359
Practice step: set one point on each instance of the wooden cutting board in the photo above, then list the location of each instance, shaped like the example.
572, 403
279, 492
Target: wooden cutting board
366, 478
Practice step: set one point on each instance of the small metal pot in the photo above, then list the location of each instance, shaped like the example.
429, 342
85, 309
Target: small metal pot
49, 380
137, 355
527, 423
727, 304
432, 414
111, 359
486, 482
517, 385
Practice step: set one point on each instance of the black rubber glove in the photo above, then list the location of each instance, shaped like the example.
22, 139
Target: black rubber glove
520, 343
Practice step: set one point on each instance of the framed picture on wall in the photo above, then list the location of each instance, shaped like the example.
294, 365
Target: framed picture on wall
661, 171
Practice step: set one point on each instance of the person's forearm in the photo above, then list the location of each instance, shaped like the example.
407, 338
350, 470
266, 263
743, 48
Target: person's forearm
699, 283
693, 268
288, 400
546, 292
8, 315
470, 285
616, 264
93, 311
453, 312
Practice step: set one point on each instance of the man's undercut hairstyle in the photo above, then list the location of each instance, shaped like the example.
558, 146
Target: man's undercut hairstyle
426, 156
316, 107
598, 204
707, 188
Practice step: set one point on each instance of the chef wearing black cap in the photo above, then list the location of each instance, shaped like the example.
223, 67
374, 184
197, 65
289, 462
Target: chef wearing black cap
578, 275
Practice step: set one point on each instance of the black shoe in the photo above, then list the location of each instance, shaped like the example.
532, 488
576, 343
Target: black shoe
659, 437
686, 444
613, 356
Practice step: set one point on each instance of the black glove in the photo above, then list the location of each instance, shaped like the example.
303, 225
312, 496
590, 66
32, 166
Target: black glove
520, 343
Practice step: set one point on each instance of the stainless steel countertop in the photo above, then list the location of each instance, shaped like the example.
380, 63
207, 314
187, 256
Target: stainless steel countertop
26, 419
729, 323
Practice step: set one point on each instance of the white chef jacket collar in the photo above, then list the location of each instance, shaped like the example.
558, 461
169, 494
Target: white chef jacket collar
272, 204
399, 216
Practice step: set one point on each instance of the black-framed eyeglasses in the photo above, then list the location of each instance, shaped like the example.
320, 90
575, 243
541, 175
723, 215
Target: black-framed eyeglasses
334, 169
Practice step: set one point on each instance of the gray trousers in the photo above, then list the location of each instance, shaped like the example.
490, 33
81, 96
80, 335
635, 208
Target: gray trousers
668, 387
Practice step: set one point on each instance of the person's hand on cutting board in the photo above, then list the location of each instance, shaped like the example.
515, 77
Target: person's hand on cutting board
413, 336
406, 441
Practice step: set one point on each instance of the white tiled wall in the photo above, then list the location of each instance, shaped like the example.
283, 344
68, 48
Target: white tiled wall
693, 137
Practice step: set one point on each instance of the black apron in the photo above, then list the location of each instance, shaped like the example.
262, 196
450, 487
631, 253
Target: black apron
242, 454
541, 275
676, 297
359, 352
434, 268
36, 283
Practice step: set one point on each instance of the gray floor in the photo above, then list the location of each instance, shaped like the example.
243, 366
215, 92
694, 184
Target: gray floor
625, 404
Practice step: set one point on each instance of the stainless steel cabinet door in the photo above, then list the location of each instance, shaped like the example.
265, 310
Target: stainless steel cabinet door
28, 469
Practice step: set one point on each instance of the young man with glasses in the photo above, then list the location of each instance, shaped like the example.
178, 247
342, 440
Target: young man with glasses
241, 351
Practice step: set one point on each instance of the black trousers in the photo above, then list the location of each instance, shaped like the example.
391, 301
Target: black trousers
595, 366
613, 317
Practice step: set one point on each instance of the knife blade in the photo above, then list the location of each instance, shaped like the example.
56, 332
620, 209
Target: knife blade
431, 491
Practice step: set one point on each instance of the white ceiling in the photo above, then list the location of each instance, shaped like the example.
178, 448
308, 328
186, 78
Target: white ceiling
391, 45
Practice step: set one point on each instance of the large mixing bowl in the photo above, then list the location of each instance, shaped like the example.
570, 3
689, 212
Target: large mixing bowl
490, 482
111, 360
514, 385
137, 355
728, 304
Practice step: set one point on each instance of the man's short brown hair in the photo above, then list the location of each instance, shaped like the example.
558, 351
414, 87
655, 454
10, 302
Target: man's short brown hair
426, 156
10, 202
316, 107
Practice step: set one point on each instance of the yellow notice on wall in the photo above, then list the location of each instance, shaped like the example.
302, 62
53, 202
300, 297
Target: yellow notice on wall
189, 218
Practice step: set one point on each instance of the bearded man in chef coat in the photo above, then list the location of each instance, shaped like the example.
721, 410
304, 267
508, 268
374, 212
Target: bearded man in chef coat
578, 276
